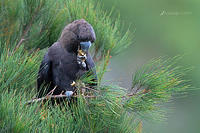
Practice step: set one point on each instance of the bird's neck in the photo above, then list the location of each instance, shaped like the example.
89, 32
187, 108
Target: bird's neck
71, 48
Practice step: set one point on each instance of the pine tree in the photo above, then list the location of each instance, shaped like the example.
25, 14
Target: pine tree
28, 27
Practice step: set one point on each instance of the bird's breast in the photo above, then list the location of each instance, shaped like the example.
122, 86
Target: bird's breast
70, 69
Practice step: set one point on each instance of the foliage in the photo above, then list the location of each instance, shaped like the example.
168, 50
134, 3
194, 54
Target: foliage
17, 69
154, 84
109, 34
30, 24
97, 115
38, 23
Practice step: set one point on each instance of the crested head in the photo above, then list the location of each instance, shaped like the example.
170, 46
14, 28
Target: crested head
76, 32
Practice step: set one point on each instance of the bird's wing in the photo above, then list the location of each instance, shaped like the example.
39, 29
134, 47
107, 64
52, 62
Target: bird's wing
44, 75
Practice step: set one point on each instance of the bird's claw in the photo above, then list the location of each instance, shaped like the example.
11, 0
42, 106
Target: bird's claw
69, 94
73, 83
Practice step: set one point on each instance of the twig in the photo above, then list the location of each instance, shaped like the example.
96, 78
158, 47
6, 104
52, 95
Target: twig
27, 28
53, 97
20, 42
91, 89
49, 97
43, 99
51, 92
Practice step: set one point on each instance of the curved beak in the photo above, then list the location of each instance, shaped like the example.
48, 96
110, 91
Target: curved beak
85, 46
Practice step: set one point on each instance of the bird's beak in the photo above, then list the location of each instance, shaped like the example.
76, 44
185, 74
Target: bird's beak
84, 46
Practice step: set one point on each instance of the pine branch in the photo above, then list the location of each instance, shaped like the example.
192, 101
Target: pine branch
44, 99
51, 97
28, 27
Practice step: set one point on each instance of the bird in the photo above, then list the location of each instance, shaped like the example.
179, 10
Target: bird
67, 60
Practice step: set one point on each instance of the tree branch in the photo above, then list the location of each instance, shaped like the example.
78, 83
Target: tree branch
49, 97
28, 27
43, 99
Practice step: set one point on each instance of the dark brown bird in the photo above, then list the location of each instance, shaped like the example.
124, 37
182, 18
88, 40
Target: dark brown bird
67, 60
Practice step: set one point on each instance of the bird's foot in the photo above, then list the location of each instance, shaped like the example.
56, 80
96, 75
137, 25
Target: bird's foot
73, 83
69, 94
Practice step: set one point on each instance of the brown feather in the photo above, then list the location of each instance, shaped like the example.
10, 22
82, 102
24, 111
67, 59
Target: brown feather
76, 32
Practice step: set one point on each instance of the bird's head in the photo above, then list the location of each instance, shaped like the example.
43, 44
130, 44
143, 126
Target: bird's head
77, 35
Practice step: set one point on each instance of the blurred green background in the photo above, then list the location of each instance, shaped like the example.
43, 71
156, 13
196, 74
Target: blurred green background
160, 28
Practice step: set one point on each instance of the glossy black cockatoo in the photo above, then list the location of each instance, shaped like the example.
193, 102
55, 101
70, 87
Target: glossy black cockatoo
67, 60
